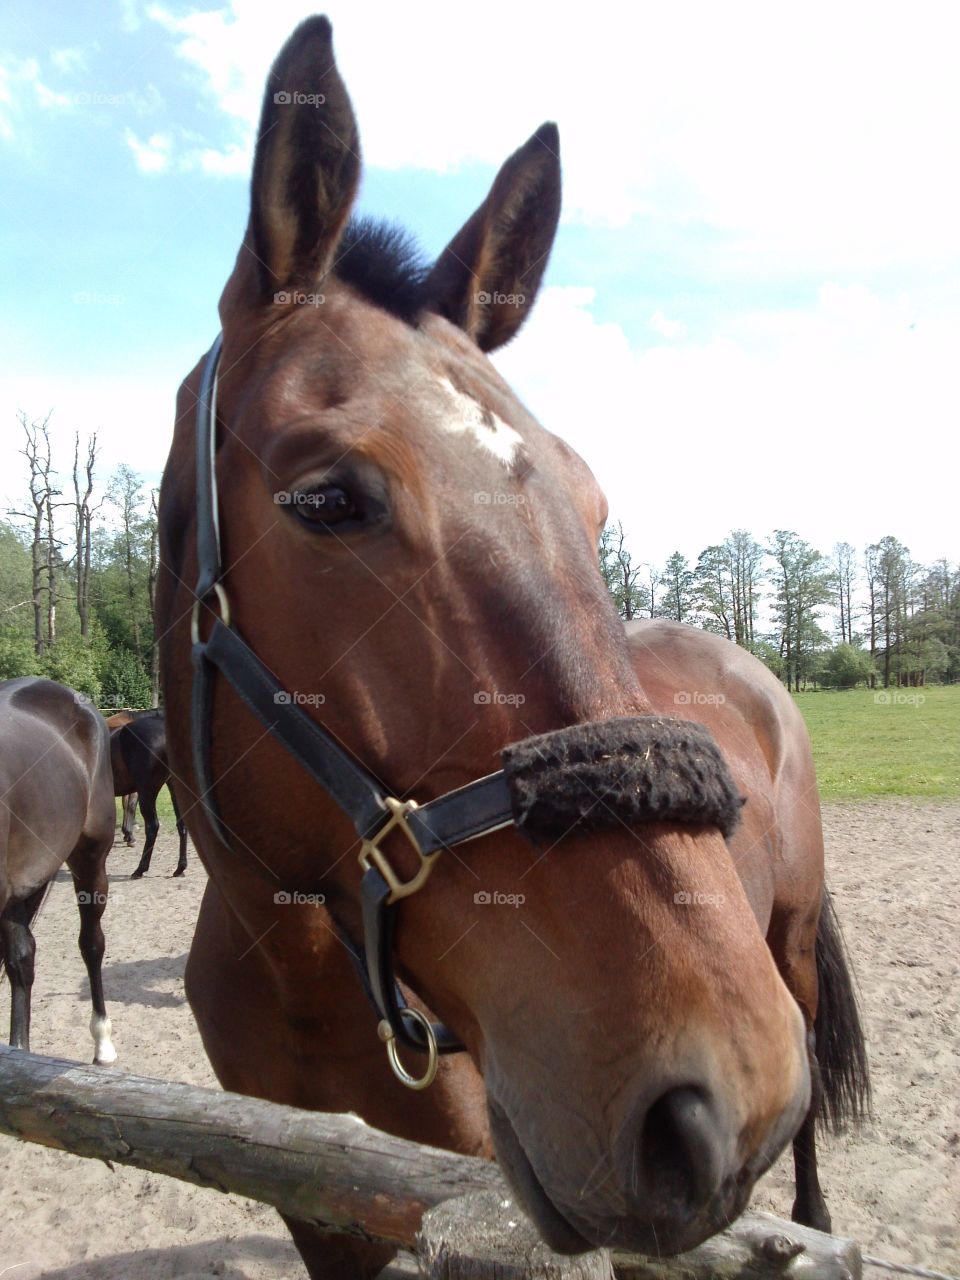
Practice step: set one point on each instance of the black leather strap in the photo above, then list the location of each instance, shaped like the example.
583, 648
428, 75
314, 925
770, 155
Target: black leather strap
202, 714
464, 814
355, 790
208, 518
379, 926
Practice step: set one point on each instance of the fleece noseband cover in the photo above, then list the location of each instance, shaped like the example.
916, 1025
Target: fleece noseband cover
623, 771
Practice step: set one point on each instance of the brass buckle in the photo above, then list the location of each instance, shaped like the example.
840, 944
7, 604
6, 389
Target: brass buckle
370, 851
223, 603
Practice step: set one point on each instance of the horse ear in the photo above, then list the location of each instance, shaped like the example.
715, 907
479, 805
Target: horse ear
486, 279
307, 163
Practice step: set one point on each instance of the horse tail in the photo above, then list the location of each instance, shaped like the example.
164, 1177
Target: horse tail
840, 1044
39, 898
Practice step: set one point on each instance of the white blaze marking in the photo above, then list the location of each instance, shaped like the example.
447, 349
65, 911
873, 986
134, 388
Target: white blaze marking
489, 431
101, 1029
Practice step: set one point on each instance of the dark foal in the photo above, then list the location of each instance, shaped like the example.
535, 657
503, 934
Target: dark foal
138, 751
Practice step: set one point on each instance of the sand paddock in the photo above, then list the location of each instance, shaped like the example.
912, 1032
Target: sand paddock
895, 1187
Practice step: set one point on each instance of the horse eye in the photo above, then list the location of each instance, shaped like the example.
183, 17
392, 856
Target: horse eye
327, 504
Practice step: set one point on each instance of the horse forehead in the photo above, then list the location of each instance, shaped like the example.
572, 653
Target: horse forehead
458, 413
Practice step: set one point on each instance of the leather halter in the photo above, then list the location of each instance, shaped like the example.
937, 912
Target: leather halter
477, 809
474, 810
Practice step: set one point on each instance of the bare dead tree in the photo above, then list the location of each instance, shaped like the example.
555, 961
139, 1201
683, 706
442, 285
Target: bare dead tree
39, 518
82, 527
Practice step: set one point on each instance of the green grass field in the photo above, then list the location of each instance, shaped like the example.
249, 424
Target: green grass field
885, 742
864, 744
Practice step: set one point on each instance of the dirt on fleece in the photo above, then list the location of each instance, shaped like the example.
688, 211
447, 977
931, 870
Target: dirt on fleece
895, 1187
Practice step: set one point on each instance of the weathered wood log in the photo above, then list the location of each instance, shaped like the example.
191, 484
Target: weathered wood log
484, 1236
332, 1170
340, 1174
758, 1246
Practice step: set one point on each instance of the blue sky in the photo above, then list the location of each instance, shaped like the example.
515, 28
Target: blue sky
752, 314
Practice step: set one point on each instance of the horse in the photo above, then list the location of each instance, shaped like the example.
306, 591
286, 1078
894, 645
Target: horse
56, 806
138, 754
128, 800
385, 638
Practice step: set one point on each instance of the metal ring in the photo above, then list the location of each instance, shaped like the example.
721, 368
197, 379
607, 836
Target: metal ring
223, 604
385, 1032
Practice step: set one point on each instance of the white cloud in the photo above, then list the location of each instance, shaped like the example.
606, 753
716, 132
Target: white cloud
828, 421
69, 60
670, 329
820, 135
233, 160
152, 156
19, 82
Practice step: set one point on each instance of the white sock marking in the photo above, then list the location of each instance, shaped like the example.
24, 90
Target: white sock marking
101, 1030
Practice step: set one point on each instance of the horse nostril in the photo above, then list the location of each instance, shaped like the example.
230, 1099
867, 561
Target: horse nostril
679, 1149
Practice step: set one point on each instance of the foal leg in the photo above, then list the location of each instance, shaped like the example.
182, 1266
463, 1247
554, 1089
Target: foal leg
809, 1207
181, 832
151, 825
88, 865
18, 948
129, 818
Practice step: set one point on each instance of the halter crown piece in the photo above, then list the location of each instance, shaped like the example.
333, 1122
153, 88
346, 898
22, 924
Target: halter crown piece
636, 769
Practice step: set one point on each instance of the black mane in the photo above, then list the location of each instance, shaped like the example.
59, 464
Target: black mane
383, 262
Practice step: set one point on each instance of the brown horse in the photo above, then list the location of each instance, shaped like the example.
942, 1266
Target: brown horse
635, 1057
138, 754
56, 806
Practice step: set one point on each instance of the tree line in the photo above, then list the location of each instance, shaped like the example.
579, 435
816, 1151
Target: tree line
871, 617
78, 572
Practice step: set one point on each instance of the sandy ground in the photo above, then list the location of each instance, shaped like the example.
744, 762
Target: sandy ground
896, 1187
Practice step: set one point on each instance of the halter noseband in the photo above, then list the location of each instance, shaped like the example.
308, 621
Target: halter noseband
671, 771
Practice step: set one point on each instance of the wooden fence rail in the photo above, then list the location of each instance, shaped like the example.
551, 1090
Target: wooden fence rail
337, 1172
